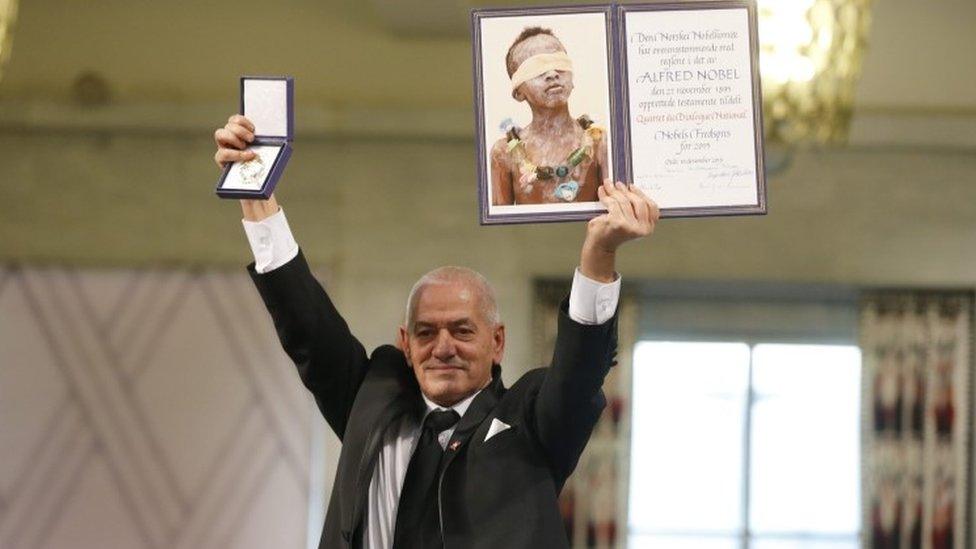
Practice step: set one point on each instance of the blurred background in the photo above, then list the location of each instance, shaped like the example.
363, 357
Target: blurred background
797, 380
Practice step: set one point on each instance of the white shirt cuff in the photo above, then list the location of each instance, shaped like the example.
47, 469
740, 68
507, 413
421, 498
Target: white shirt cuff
271, 241
592, 302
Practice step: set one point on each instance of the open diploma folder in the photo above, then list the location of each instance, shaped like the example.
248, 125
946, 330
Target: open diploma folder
267, 101
664, 95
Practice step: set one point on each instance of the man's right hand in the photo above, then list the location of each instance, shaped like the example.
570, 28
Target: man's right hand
232, 141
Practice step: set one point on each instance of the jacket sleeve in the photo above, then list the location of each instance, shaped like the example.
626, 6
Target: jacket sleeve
570, 398
330, 361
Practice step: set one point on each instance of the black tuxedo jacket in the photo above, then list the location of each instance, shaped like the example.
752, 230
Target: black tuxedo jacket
492, 494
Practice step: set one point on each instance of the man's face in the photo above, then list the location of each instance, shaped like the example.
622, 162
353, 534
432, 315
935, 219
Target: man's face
550, 89
451, 346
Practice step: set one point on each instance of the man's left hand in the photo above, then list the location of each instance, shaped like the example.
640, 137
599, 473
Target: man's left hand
630, 215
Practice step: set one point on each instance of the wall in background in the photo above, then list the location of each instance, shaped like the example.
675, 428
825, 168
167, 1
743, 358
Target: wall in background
378, 213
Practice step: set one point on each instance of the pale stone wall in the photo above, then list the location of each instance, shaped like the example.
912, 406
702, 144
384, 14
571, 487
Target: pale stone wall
377, 213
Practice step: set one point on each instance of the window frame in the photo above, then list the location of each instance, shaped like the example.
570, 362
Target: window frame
734, 297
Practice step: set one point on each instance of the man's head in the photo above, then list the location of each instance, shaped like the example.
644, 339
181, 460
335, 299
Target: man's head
452, 334
551, 74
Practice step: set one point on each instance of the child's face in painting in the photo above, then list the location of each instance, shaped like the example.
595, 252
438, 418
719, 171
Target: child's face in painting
550, 89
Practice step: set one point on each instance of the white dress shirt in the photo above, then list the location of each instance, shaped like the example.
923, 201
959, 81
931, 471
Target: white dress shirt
590, 302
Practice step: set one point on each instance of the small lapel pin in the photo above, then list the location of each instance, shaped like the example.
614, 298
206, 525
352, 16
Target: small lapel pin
455, 445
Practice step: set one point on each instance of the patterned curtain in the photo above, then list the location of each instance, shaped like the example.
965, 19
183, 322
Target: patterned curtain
594, 500
917, 349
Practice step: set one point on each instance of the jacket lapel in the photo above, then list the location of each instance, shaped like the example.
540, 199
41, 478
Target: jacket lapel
389, 392
480, 407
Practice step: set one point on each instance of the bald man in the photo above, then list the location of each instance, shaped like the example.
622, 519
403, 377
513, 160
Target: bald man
436, 451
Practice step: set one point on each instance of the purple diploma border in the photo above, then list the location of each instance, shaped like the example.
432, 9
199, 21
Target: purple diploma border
484, 177
759, 208
615, 17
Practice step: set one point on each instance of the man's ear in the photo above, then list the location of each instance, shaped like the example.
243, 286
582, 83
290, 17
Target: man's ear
498, 343
517, 95
403, 343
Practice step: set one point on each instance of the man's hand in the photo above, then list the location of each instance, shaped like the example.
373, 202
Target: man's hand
232, 140
630, 214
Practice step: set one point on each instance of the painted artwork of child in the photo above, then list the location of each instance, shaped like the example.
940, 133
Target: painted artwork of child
556, 158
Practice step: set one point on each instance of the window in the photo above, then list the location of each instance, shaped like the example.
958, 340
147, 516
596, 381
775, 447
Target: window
744, 444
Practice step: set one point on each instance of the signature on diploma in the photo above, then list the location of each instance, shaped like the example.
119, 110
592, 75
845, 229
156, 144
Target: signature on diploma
648, 183
726, 177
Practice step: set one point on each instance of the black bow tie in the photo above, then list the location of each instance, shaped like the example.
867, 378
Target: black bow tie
439, 421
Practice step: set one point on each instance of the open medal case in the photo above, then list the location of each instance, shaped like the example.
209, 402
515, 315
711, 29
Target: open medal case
268, 102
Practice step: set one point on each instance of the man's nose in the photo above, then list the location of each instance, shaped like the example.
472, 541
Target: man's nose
444, 345
552, 74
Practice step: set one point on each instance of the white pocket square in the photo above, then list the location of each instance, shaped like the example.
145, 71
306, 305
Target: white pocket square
496, 427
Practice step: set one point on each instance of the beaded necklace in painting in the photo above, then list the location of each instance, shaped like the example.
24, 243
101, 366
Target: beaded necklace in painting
566, 174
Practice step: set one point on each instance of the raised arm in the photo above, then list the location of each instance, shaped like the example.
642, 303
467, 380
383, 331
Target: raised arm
330, 361
570, 398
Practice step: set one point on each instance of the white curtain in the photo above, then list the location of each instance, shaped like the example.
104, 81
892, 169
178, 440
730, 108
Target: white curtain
149, 409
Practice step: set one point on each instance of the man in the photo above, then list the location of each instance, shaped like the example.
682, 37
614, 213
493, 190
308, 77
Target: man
555, 159
436, 452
